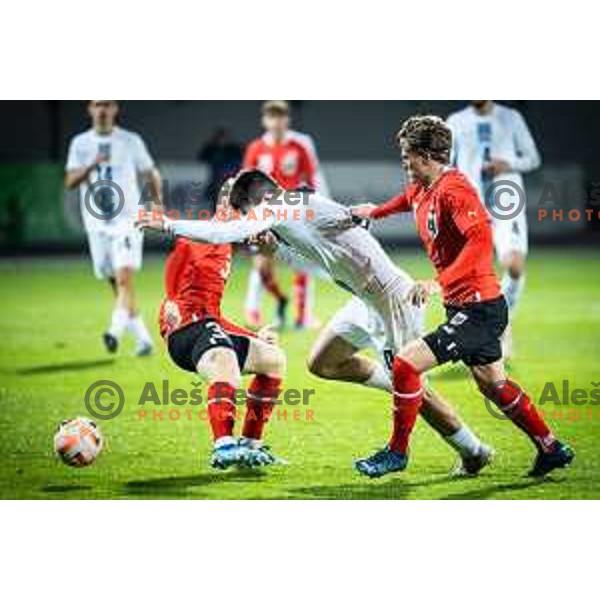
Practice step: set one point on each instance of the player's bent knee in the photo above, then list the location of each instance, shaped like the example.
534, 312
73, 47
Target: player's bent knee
124, 278
277, 363
321, 366
516, 269
266, 359
220, 364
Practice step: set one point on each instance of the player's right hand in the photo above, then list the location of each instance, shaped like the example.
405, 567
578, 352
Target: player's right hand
363, 210
421, 292
152, 221
268, 334
100, 158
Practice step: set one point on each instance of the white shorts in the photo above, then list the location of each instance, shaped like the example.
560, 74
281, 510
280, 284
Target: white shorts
112, 251
362, 327
510, 235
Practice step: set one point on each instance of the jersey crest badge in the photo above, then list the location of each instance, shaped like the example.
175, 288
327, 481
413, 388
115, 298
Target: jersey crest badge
289, 163
172, 314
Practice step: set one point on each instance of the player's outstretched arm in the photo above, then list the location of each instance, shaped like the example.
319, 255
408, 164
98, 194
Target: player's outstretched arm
213, 231
399, 203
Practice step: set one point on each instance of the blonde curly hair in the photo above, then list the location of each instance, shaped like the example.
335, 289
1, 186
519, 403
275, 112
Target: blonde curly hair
427, 135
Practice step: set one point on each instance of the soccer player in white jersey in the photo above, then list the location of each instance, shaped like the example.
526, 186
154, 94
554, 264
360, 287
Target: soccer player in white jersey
324, 232
492, 143
105, 162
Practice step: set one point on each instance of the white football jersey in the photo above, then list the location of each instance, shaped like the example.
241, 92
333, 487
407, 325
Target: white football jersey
503, 134
322, 231
127, 157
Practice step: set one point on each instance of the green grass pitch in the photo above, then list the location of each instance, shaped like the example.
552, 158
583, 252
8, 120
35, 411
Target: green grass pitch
52, 313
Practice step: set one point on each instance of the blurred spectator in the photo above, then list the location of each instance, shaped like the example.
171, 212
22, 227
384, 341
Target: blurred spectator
224, 157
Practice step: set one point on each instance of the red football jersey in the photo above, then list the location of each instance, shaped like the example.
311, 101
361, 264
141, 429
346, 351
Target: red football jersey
456, 232
195, 278
288, 162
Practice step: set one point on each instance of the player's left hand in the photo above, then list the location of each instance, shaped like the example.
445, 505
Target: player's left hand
422, 291
266, 242
497, 166
268, 334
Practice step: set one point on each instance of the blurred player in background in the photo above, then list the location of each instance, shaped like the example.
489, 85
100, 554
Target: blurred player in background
291, 158
491, 143
108, 153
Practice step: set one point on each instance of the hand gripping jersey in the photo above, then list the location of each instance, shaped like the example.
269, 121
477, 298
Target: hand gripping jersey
323, 232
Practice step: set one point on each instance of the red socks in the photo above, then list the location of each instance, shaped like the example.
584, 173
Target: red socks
408, 397
260, 398
221, 409
301, 297
517, 406
262, 393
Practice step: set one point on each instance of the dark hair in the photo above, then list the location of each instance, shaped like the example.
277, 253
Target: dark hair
250, 188
428, 136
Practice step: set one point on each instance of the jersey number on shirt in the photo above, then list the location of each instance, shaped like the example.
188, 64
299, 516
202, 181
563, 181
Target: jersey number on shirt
104, 172
432, 226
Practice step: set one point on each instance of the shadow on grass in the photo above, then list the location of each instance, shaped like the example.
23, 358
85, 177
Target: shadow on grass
77, 365
64, 489
176, 486
489, 491
400, 489
389, 489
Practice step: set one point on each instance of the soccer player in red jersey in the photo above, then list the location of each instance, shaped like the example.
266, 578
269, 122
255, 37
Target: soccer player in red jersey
457, 235
200, 339
284, 155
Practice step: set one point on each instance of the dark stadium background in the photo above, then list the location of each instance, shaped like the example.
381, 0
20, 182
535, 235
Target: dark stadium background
355, 141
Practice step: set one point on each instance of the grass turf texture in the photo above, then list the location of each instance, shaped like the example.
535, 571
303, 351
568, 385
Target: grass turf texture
52, 314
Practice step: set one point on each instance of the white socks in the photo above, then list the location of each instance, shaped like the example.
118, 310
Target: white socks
119, 322
512, 289
138, 328
380, 379
254, 293
464, 441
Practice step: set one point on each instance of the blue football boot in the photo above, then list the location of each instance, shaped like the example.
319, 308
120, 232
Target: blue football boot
256, 454
559, 458
226, 453
381, 463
